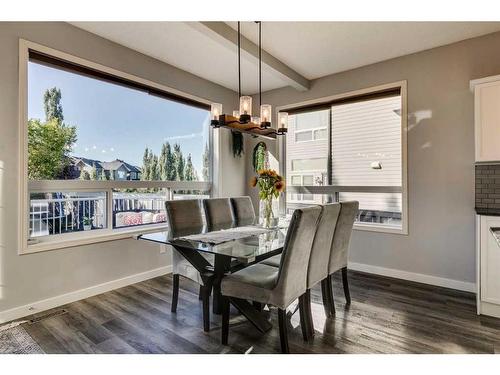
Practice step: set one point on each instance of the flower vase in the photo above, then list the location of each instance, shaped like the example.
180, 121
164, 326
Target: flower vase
267, 216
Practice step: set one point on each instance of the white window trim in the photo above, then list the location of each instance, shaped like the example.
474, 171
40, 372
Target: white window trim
101, 235
402, 86
302, 200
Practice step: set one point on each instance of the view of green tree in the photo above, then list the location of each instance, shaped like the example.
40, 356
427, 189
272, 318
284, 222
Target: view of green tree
171, 170
190, 173
50, 142
84, 175
52, 105
171, 165
155, 168
93, 173
162, 161
146, 165
206, 164
179, 162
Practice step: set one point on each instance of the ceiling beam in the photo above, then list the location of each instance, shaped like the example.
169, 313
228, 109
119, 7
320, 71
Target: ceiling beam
224, 34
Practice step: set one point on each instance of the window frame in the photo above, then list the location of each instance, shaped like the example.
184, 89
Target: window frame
302, 175
59, 241
313, 134
327, 102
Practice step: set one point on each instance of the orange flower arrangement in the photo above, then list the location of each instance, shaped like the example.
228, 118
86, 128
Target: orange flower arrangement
271, 185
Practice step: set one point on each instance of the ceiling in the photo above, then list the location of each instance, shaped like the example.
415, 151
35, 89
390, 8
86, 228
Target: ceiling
311, 49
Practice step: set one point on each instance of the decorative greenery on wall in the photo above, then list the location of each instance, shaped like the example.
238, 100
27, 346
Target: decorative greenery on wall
259, 157
237, 143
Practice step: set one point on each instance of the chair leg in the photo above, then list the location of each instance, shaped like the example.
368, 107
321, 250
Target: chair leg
303, 317
200, 293
258, 306
175, 293
225, 320
346, 286
330, 295
309, 318
205, 296
325, 294
283, 333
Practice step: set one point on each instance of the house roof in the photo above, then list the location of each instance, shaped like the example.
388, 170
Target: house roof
117, 163
107, 165
89, 162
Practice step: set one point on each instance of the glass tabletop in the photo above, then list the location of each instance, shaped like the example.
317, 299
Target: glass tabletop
244, 242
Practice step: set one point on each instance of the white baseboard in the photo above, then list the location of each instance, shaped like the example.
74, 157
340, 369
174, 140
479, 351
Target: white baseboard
49, 303
38, 306
417, 277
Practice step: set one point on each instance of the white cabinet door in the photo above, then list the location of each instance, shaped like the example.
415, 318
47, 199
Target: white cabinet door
490, 261
487, 121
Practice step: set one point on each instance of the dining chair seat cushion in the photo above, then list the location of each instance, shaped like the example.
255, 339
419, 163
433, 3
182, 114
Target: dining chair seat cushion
342, 235
255, 283
182, 267
273, 261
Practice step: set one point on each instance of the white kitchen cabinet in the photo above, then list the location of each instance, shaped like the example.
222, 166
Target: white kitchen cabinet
489, 266
487, 118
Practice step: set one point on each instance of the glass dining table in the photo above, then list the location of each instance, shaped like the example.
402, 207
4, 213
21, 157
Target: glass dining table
234, 247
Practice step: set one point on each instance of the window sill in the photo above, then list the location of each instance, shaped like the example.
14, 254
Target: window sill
379, 228
86, 238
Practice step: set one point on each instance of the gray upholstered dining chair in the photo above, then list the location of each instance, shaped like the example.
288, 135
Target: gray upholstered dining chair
340, 248
244, 212
318, 264
271, 285
185, 215
218, 211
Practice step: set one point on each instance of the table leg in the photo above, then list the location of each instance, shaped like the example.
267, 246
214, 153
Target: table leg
221, 267
255, 317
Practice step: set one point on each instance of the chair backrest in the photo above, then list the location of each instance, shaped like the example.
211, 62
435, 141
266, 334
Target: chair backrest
243, 210
184, 214
342, 236
292, 278
321, 248
218, 211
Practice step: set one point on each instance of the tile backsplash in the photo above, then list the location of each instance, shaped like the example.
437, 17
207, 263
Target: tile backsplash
488, 189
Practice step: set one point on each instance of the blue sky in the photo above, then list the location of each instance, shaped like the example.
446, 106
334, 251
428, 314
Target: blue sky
115, 122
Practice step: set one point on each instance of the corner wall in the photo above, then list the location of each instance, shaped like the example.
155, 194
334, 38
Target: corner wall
26, 279
440, 244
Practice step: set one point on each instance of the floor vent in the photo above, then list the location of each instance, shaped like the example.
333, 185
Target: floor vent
46, 316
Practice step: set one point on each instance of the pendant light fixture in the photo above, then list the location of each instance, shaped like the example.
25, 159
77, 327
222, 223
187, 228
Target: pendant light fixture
244, 115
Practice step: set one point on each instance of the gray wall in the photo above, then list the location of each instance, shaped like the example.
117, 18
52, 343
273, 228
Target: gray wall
29, 278
440, 154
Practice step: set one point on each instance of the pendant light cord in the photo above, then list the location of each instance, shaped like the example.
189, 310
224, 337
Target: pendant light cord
239, 62
260, 63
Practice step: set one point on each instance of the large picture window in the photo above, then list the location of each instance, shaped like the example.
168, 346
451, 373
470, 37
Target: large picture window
361, 157
103, 153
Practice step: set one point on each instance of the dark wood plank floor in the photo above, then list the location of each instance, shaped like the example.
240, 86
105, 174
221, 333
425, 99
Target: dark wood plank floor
386, 316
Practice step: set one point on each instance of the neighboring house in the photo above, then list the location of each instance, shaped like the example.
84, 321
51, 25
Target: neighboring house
365, 150
121, 170
83, 164
114, 170
307, 155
